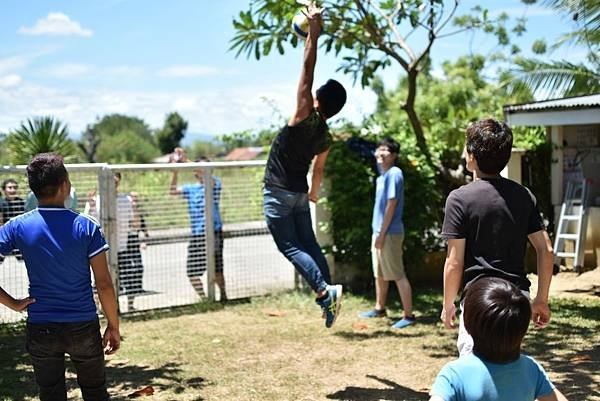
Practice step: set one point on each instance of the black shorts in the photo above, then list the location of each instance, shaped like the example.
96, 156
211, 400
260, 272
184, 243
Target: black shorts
196, 257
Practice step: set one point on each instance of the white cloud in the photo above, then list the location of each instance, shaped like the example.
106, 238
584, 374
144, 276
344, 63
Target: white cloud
10, 81
207, 111
10, 64
56, 24
68, 70
188, 71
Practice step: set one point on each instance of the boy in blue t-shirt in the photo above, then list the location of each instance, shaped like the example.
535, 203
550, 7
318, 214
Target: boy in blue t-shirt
59, 246
497, 316
388, 234
194, 194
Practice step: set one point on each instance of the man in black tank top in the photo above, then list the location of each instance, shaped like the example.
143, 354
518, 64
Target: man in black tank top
487, 224
286, 195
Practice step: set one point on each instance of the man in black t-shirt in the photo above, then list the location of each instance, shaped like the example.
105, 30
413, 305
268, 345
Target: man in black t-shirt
286, 194
488, 223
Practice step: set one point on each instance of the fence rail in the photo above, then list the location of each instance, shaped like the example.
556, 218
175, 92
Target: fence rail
166, 241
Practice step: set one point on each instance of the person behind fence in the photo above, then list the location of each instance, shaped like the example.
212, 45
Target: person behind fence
31, 202
11, 205
487, 224
388, 234
286, 194
497, 316
59, 246
196, 256
131, 267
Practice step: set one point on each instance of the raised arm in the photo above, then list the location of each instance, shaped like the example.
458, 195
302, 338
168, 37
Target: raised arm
178, 156
540, 311
453, 271
304, 99
106, 292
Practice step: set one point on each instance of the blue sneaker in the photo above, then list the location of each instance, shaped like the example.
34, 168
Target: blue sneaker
406, 321
332, 304
373, 313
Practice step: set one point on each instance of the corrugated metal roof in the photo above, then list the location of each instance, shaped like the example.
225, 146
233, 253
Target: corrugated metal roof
579, 102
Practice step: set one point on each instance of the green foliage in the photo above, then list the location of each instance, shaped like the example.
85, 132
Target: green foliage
173, 131
126, 147
370, 34
38, 135
446, 105
208, 149
539, 46
88, 144
122, 139
350, 201
558, 78
248, 138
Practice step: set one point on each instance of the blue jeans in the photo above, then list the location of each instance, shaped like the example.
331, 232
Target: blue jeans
288, 218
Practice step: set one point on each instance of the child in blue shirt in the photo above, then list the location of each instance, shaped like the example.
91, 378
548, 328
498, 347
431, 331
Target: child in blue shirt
497, 316
58, 247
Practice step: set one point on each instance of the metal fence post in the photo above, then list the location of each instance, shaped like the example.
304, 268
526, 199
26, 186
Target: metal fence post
108, 213
209, 232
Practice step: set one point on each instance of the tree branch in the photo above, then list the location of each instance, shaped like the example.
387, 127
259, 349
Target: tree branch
378, 39
443, 24
399, 38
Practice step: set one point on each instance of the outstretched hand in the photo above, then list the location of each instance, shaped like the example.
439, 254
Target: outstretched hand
315, 19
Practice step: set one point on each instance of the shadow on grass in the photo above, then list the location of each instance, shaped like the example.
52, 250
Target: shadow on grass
394, 392
569, 347
17, 381
199, 307
361, 336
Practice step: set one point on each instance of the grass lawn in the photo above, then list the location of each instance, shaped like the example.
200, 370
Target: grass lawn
277, 348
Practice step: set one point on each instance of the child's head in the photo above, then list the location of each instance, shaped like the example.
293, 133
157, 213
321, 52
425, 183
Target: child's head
10, 187
331, 97
48, 176
496, 315
490, 143
386, 152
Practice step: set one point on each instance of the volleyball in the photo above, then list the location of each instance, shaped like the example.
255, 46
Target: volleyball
300, 25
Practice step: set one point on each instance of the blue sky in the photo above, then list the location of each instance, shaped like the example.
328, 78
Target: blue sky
78, 60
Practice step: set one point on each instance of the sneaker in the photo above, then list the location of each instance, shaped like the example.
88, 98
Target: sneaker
406, 321
332, 304
373, 313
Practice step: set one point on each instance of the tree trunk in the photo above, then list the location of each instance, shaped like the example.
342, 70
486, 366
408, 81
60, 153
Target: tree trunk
415, 122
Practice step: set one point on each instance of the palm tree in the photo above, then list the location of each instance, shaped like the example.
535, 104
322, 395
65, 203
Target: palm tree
38, 135
551, 79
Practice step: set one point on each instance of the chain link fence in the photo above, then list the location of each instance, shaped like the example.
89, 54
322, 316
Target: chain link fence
169, 247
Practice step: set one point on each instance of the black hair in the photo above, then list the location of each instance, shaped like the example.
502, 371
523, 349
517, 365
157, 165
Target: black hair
202, 159
490, 142
331, 97
497, 316
118, 175
46, 172
391, 144
8, 181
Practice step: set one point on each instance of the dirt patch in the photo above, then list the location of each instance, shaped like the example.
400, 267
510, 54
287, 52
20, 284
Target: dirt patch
570, 284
